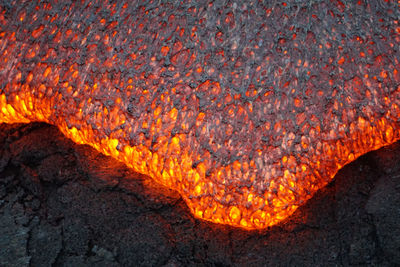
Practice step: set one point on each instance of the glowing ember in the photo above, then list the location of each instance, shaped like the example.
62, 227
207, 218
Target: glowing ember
246, 110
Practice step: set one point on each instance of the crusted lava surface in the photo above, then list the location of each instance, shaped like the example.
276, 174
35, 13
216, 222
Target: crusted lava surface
245, 108
64, 204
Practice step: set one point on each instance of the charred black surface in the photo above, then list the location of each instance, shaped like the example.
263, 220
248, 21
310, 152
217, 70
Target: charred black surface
68, 205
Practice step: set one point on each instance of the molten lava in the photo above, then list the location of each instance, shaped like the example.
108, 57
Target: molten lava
245, 108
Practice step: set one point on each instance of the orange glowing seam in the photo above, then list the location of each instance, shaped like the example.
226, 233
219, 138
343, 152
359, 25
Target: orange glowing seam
245, 123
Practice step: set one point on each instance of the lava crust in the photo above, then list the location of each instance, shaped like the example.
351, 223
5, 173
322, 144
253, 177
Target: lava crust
245, 108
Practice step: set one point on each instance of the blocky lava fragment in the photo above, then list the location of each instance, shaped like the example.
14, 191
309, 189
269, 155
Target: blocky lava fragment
245, 108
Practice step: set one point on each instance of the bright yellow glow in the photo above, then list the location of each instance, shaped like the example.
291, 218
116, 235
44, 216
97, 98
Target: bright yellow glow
121, 119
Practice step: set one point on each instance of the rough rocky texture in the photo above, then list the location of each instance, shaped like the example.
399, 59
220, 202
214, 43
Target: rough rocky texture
245, 107
67, 205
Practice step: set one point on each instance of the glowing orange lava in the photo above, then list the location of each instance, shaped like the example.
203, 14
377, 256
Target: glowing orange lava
245, 109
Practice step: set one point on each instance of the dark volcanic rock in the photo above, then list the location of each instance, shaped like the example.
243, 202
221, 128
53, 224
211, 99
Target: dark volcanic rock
383, 204
68, 205
45, 244
13, 238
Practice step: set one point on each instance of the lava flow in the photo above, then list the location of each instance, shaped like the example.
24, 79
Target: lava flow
245, 108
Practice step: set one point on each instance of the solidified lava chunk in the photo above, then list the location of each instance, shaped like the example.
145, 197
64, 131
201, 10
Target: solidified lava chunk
245, 108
